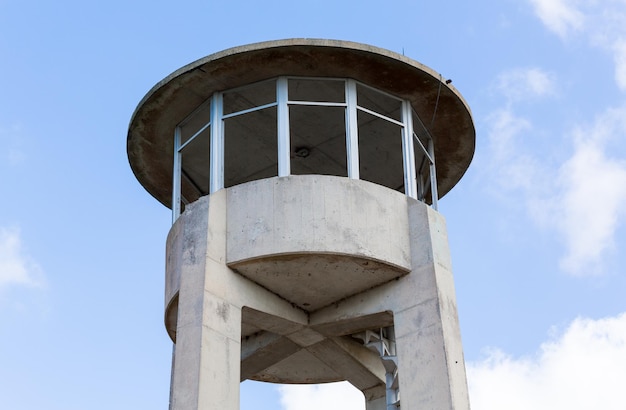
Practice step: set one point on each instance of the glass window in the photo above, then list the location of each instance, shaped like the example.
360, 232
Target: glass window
250, 147
198, 120
317, 90
378, 102
195, 168
318, 140
419, 131
250, 96
422, 171
422, 161
380, 151
317, 136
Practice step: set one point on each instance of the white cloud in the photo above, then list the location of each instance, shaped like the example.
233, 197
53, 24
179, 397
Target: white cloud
16, 267
602, 23
594, 198
587, 194
321, 396
510, 164
584, 199
583, 368
619, 55
525, 83
560, 16
587, 204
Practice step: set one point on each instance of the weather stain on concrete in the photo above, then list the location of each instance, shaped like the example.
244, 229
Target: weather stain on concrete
223, 310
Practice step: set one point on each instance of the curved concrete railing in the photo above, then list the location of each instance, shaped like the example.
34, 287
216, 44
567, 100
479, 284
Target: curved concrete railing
289, 234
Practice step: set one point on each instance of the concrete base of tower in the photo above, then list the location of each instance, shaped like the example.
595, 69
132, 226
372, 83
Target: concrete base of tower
271, 280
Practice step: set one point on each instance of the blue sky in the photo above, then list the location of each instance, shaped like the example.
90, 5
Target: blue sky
536, 227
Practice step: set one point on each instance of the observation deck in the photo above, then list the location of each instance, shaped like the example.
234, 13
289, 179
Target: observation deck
300, 106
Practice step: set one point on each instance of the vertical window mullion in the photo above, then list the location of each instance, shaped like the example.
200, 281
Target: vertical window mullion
410, 185
176, 176
282, 97
352, 133
216, 174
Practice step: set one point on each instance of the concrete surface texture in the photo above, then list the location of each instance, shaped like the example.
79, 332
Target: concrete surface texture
293, 278
275, 280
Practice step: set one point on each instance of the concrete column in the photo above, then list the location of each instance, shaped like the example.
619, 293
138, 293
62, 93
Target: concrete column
431, 367
376, 404
206, 371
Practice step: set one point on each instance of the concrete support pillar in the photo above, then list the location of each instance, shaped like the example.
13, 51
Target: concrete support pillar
206, 372
376, 404
431, 367
214, 305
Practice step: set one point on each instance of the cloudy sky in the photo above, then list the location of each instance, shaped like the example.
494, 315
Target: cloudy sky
536, 227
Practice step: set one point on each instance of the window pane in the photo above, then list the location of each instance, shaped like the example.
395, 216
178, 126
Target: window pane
250, 96
317, 90
378, 102
195, 167
422, 163
195, 122
422, 170
420, 131
318, 140
250, 147
380, 151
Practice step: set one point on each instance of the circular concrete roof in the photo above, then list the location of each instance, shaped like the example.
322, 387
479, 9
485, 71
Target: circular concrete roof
150, 135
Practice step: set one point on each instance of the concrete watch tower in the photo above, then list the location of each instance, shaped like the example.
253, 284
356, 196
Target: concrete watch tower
303, 176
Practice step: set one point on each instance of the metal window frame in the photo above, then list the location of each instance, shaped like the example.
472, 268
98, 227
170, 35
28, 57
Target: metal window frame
176, 175
216, 170
248, 110
282, 114
200, 131
410, 184
243, 87
414, 184
352, 130
429, 152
